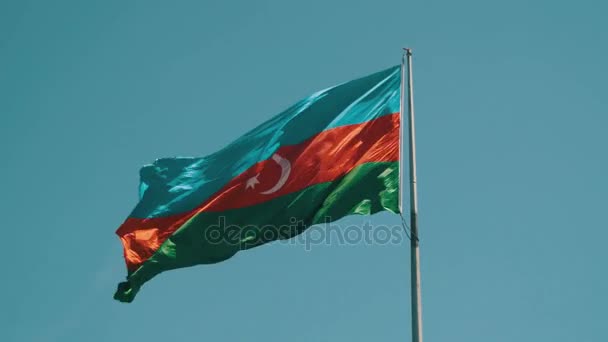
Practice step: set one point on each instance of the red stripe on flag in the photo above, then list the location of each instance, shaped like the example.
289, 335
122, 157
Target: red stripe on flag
322, 158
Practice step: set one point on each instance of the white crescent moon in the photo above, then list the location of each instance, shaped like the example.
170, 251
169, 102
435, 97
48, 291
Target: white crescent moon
285, 171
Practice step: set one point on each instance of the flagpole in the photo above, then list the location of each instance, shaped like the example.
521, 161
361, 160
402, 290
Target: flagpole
416, 298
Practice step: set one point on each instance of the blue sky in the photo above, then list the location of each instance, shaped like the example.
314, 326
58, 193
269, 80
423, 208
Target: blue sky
511, 120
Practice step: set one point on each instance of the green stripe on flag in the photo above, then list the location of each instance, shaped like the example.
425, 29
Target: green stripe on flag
211, 237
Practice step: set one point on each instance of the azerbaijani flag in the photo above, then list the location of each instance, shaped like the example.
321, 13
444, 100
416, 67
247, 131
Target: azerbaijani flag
332, 154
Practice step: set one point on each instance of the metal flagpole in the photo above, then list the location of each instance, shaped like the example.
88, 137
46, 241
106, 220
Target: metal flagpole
416, 298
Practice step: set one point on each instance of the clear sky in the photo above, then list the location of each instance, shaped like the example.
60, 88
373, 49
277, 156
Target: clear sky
511, 117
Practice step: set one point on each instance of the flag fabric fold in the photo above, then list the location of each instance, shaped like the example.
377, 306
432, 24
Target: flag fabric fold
334, 153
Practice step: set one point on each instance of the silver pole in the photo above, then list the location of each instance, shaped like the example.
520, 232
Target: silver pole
401, 126
416, 296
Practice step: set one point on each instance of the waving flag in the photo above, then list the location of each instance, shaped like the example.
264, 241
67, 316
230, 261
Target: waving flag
332, 154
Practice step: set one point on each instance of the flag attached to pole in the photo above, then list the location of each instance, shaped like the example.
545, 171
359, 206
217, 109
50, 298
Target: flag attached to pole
332, 154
